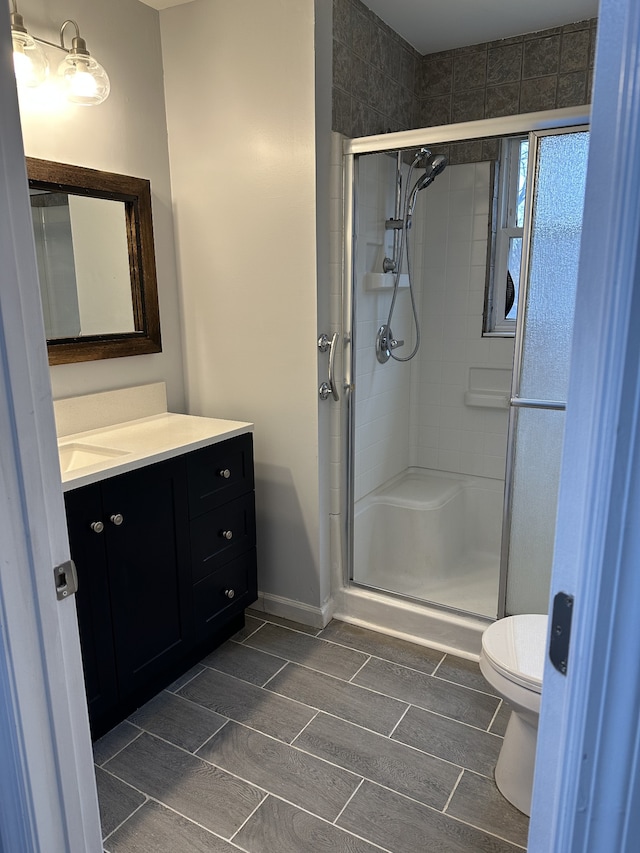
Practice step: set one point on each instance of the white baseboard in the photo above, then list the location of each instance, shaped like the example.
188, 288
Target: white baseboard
297, 611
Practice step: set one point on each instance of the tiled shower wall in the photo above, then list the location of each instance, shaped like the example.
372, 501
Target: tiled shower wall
381, 83
456, 367
382, 395
420, 413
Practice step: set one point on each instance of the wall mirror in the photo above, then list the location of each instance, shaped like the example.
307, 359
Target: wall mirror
96, 262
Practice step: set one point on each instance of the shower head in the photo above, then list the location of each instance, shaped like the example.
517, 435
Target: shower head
434, 167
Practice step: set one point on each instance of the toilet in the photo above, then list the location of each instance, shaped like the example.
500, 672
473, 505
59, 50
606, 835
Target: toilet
512, 660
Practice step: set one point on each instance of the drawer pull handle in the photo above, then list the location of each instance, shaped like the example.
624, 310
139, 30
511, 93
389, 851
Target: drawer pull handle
97, 526
225, 473
117, 519
226, 534
230, 593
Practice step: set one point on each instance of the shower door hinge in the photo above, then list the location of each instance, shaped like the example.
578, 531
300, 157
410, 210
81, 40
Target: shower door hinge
66, 580
560, 631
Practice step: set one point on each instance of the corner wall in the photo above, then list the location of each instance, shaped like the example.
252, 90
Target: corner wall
125, 134
240, 92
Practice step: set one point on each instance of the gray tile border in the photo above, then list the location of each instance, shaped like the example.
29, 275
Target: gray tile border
117, 800
280, 620
504, 64
432, 694
187, 676
421, 761
156, 829
452, 741
384, 646
574, 53
278, 826
115, 740
405, 826
541, 56
463, 671
245, 703
499, 723
187, 784
488, 66
282, 770
177, 720
426, 779
478, 802
341, 699
244, 662
308, 651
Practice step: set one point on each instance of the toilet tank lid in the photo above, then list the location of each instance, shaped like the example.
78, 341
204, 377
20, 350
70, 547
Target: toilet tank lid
516, 645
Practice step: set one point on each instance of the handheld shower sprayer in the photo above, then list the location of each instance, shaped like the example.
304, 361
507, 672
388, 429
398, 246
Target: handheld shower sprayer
385, 341
434, 167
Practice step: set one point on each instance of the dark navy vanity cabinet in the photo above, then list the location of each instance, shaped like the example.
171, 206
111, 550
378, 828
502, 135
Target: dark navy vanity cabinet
166, 565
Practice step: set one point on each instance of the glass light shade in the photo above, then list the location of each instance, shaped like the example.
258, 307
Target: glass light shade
84, 80
30, 64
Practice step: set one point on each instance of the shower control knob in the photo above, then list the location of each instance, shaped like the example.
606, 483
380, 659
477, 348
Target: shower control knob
225, 473
97, 526
226, 534
230, 593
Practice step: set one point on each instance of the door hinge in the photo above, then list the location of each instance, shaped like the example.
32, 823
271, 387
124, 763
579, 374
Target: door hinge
560, 631
66, 580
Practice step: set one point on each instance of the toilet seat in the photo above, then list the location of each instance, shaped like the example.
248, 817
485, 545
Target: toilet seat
515, 647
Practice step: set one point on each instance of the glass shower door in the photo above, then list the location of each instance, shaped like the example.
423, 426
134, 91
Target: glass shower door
558, 161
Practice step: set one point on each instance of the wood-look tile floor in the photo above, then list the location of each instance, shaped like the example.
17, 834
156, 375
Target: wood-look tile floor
292, 740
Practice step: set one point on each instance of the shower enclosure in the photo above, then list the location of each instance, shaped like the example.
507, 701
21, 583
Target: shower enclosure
453, 444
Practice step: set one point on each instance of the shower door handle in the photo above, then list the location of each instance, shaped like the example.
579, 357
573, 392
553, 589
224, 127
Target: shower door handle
324, 344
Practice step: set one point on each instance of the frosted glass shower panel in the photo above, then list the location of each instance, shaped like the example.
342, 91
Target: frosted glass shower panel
536, 476
556, 226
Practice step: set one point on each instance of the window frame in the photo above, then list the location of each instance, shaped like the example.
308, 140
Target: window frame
503, 229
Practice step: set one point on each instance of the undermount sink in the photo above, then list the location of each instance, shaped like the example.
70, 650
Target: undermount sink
76, 455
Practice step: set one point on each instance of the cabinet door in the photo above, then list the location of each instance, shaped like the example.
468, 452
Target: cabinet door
88, 551
148, 551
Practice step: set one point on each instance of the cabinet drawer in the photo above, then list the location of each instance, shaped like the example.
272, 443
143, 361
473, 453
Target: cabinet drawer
221, 535
219, 473
231, 588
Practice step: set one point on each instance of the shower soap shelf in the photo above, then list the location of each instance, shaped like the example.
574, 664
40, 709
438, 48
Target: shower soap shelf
486, 399
383, 280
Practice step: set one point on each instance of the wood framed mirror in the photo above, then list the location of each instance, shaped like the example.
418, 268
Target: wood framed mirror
96, 261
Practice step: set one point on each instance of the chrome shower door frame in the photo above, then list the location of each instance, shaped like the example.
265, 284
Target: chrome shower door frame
548, 120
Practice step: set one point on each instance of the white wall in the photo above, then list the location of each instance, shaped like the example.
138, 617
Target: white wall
101, 255
452, 226
382, 393
240, 89
125, 134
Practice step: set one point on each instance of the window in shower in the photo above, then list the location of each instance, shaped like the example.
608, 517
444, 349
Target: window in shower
506, 244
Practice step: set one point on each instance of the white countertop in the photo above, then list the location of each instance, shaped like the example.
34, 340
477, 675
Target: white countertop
136, 443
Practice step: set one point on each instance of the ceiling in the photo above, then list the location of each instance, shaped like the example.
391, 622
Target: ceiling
434, 25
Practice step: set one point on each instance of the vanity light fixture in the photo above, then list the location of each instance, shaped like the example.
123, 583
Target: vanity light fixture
29, 61
83, 80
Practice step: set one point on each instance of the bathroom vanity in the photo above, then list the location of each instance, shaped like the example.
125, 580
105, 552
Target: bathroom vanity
161, 519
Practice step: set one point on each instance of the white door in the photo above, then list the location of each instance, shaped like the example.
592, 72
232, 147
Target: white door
47, 784
587, 780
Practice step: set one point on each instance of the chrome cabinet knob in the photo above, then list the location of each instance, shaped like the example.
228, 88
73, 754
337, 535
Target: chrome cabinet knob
117, 519
225, 473
226, 534
97, 526
230, 593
